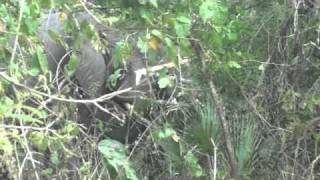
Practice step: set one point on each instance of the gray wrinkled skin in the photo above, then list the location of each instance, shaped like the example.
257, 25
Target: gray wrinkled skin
94, 67
55, 51
92, 71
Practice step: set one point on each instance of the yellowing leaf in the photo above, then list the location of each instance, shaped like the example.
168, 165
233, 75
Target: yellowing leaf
62, 17
154, 43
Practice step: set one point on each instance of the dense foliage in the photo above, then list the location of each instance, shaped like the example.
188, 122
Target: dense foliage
237, 95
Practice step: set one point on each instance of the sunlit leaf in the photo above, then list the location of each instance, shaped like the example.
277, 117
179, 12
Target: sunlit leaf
164, 82
72, 65
142, 45
5, 144
54, 158
39, 140
156, 33
171, 49
154, 3
164, 133
114, 153
213, 9
42, 59
154, 43
182, 26
193, 164
234, 64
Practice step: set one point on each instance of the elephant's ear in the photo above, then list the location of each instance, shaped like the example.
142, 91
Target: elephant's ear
92, 70
51, 34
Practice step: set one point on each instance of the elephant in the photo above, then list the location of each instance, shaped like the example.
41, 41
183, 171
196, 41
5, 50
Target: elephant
92, 70
95, 66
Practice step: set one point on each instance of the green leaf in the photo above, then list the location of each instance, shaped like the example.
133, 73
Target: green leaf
112, 19
6, 147
70, 129
55, 36
156, 33
146, 15
6, 105
54, 158
39, 62
213, 9
72, 65
184, 20
164, 82
261, 67
31, 25
165, 133
113, 79
23, 117
206, 10
114, 153
192, 161
154, 3
42, 59
120, 54
234, 64
39, 140
171, 49
232, 36
183, 25
142, 45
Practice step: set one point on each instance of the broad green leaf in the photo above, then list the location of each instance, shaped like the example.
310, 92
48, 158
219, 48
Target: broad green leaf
154, 3
72, 65
6, 147
213, 9
261, 67
70, 129
171, 49
31, 25
183, 25
142, 45
39, 140
206, 10
39, 62
146, 15
120, 54
232, 36
54, 158
192, 161
114, 153
55, 36
113, 79
112, 19
6, 105
234, 64
165, 133
156, 33
184, 20
42, 59
35, 111
164, 82
23, 117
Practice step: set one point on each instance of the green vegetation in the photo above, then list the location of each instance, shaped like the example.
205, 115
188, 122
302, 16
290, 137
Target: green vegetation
235, 90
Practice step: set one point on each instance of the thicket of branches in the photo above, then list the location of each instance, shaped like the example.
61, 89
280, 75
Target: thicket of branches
237, 92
